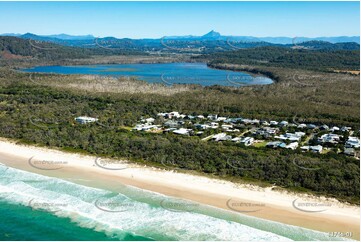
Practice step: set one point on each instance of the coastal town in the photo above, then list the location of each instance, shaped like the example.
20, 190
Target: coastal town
282, 134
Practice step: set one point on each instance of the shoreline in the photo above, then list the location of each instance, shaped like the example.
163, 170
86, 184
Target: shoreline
277, 206
249, 70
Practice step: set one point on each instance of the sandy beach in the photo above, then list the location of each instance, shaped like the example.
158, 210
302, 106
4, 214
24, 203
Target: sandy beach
322, 214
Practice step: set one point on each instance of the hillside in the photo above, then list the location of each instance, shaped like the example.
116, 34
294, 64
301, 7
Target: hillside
325, 60
208, 43
18, 48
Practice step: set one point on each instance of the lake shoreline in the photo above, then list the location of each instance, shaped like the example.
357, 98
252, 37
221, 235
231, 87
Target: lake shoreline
177, 73
278, 206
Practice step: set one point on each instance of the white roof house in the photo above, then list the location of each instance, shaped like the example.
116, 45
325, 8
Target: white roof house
85, 120
265, 123
302, 126
349, 151
174, 114
311, 126
329, 138
353, 142
149, 120
182, 131
236, 139
275, 144
283, 123
222, 137
291, 136
214, 125
221, 119
316, 148
202, 126
345, 129
145, 127
292, 146
247, 141
334, 128
212, 116
227, 126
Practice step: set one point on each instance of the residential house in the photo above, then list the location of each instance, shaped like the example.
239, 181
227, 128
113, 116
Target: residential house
265, 123
214, 125
149, 120
173, 115
283, 123
311, 126
291, 136
302, 126
221, 137
345, 129
212, 117
236, 139
349, 151
335, 129
292, 146
85, 120
352, 142
227, 126
316, 148
182, 131
221, 119
275, 144
329, 138
171, 124
247, 141
145, 127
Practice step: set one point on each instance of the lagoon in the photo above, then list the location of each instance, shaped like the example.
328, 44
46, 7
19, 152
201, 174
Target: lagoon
169, 73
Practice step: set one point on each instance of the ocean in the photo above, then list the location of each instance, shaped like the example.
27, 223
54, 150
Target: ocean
37, 207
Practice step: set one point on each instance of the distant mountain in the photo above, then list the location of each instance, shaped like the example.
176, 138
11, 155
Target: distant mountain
10, 34
211, 35
295, 40
210, 42
324, 45
273, 40
56, 36
71, 37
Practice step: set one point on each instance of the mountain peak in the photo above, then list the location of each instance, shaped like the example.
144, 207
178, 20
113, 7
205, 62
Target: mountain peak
212, 34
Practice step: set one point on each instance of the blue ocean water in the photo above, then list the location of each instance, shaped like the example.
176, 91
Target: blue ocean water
170, 73
36, 207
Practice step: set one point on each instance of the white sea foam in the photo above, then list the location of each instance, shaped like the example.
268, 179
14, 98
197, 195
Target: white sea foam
91, 208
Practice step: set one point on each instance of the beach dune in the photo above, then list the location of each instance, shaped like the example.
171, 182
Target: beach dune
317, 213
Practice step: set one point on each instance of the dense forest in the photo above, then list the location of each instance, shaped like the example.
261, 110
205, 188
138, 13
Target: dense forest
322, 60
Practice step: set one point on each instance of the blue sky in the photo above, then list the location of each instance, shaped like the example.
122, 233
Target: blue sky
158, 19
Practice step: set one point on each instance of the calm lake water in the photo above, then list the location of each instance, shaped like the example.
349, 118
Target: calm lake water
170, 73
